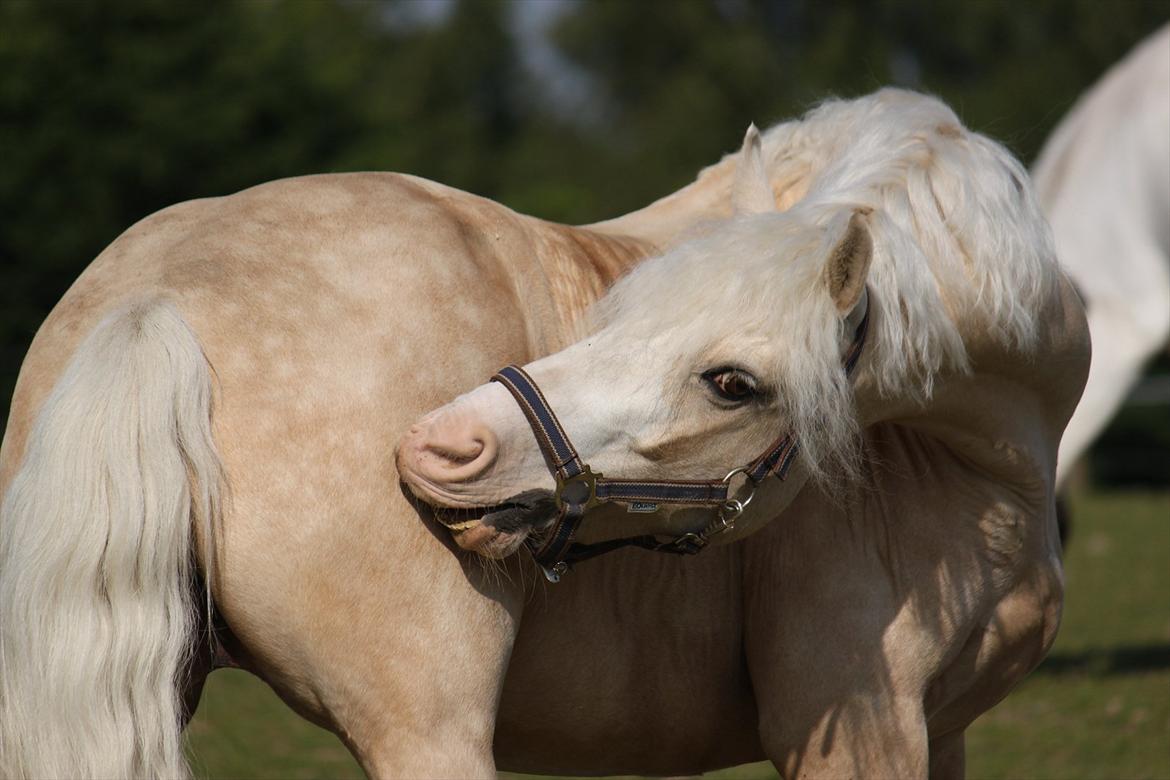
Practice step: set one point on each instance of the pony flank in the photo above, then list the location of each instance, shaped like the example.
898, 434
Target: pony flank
96, 600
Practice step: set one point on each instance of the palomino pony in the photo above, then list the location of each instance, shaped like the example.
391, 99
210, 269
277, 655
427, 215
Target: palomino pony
1103, 179
903, 578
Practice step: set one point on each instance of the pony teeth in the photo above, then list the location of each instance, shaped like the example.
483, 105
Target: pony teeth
463, 525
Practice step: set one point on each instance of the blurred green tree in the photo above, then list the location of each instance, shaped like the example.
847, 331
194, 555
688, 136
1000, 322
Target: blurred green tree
683, 80
112, 109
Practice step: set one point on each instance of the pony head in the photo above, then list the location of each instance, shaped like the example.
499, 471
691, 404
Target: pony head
700, 359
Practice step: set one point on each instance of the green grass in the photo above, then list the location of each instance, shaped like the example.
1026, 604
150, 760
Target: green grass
1098, 708
242, 730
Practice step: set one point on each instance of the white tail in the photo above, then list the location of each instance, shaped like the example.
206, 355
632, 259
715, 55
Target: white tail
97, 609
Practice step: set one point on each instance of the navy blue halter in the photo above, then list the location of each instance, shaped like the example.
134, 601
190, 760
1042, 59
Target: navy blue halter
579, 489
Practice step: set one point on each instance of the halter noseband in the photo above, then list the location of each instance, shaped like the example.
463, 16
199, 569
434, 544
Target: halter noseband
579, 489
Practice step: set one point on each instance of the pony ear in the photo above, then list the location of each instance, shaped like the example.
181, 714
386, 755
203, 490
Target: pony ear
848, 264
751, 193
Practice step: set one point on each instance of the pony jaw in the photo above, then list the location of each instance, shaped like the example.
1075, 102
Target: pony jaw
491, 530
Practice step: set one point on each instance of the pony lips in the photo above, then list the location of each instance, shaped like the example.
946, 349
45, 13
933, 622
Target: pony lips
498, 526
527, 510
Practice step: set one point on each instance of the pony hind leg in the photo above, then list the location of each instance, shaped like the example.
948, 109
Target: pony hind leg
96, 609
210, 642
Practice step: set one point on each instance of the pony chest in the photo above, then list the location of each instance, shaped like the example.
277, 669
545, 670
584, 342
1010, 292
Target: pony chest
640, 653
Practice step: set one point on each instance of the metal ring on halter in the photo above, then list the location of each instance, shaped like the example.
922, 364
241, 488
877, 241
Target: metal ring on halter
729, 512
741, 503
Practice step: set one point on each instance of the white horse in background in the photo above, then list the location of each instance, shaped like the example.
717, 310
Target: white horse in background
900, 582
1103, 179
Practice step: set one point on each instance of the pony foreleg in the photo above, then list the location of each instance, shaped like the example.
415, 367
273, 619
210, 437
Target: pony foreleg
853, 737
828, 710
832, 657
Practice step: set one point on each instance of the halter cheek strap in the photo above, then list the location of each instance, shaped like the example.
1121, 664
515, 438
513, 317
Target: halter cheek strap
579, 489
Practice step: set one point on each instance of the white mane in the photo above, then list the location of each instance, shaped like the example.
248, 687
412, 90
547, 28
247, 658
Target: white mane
960, 247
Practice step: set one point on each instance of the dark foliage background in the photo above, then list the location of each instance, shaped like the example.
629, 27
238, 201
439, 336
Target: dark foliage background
110, 110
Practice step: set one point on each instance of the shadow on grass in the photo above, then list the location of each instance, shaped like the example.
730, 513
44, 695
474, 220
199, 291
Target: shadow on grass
1127, 659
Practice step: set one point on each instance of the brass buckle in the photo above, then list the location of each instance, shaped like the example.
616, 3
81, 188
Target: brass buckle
581, 490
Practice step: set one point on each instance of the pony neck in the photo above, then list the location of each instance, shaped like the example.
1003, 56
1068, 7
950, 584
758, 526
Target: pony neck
669, 220
680, 215
1005, 417
584, 261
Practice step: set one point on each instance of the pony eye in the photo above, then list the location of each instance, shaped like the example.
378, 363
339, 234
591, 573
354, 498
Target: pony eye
731, 384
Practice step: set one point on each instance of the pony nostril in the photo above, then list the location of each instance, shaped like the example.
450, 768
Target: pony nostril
459, 453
